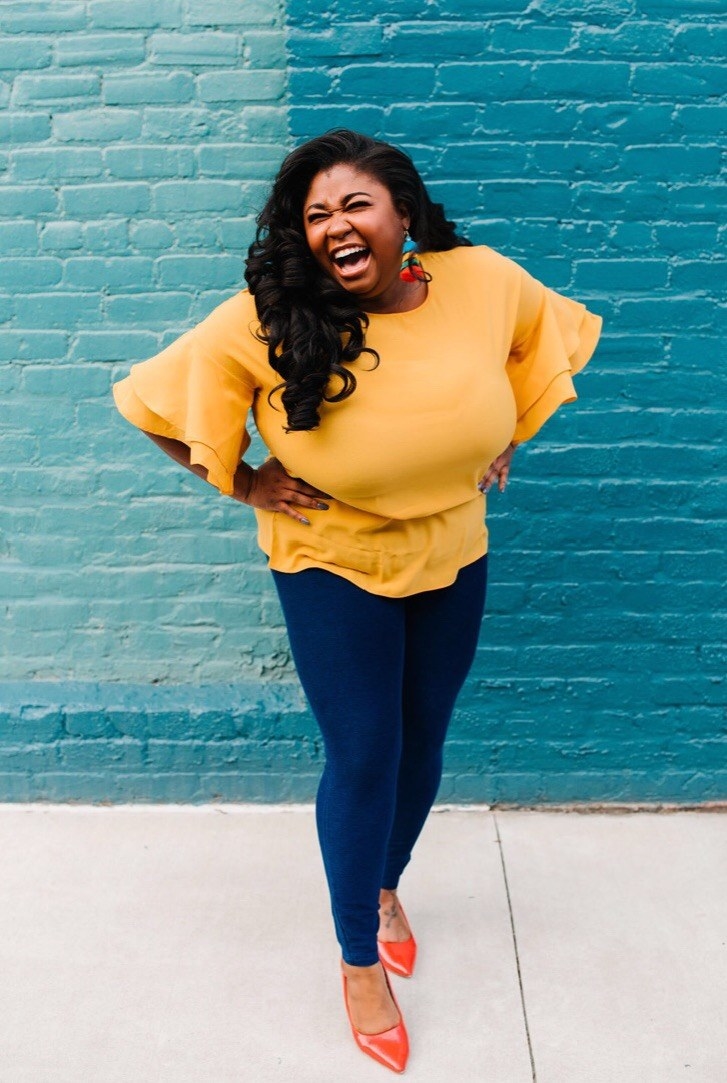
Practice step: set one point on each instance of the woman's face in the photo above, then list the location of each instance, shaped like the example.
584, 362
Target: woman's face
355, 232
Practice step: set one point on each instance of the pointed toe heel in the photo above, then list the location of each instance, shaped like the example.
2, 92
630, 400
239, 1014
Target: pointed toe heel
399, 956
390, 1047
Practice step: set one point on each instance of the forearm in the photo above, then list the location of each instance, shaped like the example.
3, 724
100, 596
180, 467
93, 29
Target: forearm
179, 451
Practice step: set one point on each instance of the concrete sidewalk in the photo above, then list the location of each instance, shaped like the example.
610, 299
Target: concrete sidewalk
194, 944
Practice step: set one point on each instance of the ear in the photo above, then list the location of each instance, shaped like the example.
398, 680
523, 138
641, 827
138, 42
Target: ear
404, 215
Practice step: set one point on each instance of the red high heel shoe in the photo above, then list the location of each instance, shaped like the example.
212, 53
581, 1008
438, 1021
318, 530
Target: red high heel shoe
399, 956
389, 1047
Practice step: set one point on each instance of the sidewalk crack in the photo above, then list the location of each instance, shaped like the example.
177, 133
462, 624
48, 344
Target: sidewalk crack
515, 948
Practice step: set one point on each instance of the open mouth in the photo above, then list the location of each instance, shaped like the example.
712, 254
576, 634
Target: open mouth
352, 260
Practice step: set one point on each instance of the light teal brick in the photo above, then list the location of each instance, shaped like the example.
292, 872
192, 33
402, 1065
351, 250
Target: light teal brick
41, 16
229, 12
193, 232
33, 345
265, 48
27, 199
88, 200
97, 125
61, 236
24, 127
199, 195
485, 81
194, 50
56, 163
140, 88
151, 234
20, 54
134, 14
260, 85
268, 122
78, 50
150, 162
29, 274
182, 124
239, 160
64, 310
216, 272
129, 345
48, 89
128, 272
149, 310
17, 237
108, 236
77, 381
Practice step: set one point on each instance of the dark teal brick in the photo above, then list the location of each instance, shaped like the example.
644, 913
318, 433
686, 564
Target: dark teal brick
95, 49
347, 40
140, 88
443, 40
668, 161
485, 80
511, 38
680, 80
375, 81
621, 275
194, 49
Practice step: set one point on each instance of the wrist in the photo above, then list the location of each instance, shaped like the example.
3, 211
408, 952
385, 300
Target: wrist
243, 482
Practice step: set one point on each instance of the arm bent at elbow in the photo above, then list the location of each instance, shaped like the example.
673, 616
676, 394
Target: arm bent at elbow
179, 451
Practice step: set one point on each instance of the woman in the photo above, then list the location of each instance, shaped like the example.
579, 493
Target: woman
391, 387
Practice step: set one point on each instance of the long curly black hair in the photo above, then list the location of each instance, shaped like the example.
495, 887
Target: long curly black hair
309, 324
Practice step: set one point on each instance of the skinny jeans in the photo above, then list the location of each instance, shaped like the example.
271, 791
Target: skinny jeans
381, 676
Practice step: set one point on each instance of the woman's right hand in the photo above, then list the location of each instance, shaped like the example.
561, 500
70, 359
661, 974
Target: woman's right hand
273, 489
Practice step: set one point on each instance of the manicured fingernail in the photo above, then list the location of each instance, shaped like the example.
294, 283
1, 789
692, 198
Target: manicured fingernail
304, 520
322, 507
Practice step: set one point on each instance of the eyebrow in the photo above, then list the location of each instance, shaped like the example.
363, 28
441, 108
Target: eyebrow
321, 206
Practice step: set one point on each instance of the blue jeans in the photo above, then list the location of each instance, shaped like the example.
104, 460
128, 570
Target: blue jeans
381, 676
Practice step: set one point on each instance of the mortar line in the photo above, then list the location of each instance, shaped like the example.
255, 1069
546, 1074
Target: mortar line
515, 947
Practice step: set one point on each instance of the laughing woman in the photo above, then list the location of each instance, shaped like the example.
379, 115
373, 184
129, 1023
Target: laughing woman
391, 368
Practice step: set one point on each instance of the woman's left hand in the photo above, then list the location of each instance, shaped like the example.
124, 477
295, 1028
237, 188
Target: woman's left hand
498, 470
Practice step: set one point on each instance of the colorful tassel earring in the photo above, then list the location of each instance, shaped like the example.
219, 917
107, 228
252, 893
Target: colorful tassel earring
411, 268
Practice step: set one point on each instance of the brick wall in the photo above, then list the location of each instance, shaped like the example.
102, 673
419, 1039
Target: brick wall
144, 655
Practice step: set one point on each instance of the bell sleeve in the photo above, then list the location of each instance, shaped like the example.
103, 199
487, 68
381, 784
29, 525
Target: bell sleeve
196, 393
554, 338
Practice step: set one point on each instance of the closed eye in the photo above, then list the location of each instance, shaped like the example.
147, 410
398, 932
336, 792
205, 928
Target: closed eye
317, 216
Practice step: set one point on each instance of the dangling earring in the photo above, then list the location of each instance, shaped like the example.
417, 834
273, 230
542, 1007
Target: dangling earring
411, 268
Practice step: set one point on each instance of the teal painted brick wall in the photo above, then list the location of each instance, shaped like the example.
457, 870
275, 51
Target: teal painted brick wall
144, 654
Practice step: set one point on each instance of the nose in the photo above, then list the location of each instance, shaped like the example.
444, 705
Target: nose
338, 226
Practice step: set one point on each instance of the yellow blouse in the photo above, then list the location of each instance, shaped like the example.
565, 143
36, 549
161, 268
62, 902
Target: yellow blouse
487, 358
